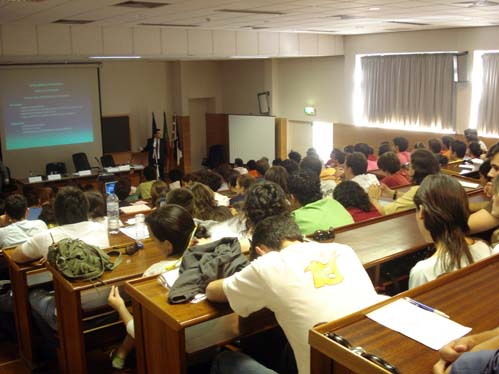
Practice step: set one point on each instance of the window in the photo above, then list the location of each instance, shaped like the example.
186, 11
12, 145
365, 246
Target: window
406, 91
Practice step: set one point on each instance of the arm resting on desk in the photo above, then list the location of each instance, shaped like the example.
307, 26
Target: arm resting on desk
215, 291
19, 256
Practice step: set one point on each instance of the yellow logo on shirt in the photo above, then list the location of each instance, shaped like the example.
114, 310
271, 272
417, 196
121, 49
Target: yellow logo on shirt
325, 274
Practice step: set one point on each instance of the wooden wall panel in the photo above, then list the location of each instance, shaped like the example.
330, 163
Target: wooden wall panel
281, 137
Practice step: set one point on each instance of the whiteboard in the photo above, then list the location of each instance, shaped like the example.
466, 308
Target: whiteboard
251, 137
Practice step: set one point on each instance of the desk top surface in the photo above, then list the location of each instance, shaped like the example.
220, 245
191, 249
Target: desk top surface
469, 296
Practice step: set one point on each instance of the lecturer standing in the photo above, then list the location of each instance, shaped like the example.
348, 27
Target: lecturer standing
156, 148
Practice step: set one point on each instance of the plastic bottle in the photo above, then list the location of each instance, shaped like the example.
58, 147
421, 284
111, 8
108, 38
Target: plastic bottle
113, 213
140, 228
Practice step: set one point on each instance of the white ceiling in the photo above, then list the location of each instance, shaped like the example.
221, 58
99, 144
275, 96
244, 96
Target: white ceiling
362, 16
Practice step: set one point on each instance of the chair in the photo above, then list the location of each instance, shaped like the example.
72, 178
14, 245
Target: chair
107, 161
55, 168
80, 161
217, 155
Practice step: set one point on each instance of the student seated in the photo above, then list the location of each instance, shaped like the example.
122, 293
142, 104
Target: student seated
159, 189
446, 143
310, 211
144, 189
442, 215
71, 213
328, 183
471, 135
214, 181
295, 156
183, 197
302, 283
367, 152
171, 228
356, 170
400, 145
96, 207
279, 175
204, 201
475, 152
337, 158
478, 353
122, 190
355, 200
389, 163
435, 145
457, 151
239, 166
240, 185
18, 228
422, 164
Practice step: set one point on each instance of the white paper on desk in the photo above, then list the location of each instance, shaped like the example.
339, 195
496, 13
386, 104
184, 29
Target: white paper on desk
130, 231
425, 327
135, 209
469, 184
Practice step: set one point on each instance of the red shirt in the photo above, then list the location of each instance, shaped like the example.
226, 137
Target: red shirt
400, 178
359, 215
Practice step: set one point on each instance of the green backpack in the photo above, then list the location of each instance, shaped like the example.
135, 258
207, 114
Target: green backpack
77, 260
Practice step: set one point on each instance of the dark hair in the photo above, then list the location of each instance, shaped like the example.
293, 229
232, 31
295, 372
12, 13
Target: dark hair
31, 195
220, 214
263, 200
290, 165
251, 165
493, 151
238, 162
362, 148
273, 231
277, 162
295, 156
471, 135
96, 204
351, 195
401, 142
190, 178
419, 145
357, 162
389, 162
204, 201
122, 188
47, 214
210, 179
447, 141
279, 175
159, 189
485, 168
338, 155
348, 149
45, 195
312, 152
224, 170
459, 148
149, 173
232, 178
15, 206
423, 163
175, 175
173, 223
182, 197
383, 148
475, 149
70, 206
262, 166
311, 163
445, 214
305, 186
435, 145
246, 181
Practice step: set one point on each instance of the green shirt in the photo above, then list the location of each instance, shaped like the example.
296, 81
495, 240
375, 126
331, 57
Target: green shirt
321, 215
144, 190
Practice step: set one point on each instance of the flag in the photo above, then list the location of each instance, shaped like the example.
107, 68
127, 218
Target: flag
165, 137
177, 152
154, 127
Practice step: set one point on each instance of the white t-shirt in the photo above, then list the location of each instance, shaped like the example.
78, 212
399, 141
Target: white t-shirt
19, 232
427, 270
304, 284
222, 200
241, 170
366, 180
93, 233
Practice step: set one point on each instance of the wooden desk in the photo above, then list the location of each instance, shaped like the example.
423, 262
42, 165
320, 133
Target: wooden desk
182, 329
469, 296
24, 276
453, 168
69, 308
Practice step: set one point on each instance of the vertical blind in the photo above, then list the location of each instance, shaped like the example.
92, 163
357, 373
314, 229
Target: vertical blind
415, 90
488, 108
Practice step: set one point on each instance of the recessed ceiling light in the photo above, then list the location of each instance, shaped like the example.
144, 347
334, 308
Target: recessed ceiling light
374, 8
114, 57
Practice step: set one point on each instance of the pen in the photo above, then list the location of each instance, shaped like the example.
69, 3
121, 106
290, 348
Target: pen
426, 307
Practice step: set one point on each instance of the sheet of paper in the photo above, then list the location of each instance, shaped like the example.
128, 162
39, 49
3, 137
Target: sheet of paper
426, 327
135, 209
131, 232
469, 184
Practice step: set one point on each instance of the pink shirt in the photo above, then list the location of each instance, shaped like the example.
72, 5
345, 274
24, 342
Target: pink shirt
404, 157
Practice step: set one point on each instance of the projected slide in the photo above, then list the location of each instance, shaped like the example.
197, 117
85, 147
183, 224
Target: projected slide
52, 110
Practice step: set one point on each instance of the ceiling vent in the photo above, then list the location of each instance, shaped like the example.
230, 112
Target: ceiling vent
166, 24
408, 23
249, 11
74, 21
141, 4
342, 16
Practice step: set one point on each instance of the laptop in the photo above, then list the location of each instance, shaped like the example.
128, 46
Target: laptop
110, 187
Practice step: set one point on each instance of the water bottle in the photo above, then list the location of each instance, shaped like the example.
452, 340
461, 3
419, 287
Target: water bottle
113, 213
140, 228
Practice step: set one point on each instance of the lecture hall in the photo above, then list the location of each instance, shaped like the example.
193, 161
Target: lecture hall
235, 186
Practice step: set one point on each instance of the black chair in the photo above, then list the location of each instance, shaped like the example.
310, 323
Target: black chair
80, 161
55, 168
107, 161
217, 155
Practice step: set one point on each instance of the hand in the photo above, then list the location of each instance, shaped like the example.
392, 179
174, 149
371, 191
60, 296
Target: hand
114, 299
487, 190
374, 192
385, 191
441, 367
454, 349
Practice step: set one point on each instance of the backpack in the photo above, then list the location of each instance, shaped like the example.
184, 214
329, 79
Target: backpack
77, 260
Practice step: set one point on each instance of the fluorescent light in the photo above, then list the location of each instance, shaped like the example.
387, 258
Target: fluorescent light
114, 57
374, 9
246, 57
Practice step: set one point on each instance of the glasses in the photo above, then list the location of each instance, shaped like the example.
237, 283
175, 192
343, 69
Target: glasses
360, 351
323, 235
